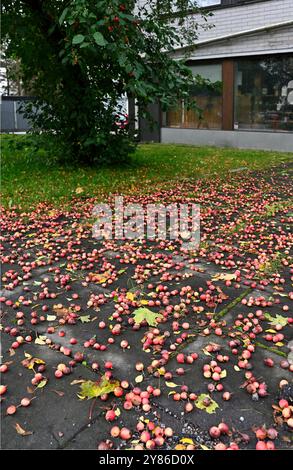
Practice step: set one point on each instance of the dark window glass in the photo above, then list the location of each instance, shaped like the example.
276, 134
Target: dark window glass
208, 98
264, 94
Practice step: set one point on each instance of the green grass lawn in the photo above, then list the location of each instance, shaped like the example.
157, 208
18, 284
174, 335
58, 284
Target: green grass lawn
32, 177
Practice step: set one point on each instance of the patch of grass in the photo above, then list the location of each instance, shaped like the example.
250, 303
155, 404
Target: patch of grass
31, 173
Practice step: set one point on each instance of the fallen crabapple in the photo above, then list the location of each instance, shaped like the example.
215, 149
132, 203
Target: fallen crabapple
11, 410
286, 412
145, 436
189, 407
110, 415
268, 361
290, 422
220, 446
58, 374
224, 428
125, 434
261, 445
180, 358
272, 434
226, 396
260, 434
3, 368
25, 402
3, 389
283, 403
168, 432
214, 432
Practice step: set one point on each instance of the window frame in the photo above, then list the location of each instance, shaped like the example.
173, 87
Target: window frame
228, 96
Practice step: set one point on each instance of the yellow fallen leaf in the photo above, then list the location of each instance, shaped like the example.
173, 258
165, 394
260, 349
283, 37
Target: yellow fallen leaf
130, 296
138, 379
186, 440
224, 277
41, 340
171, 384
22, 431
79, 190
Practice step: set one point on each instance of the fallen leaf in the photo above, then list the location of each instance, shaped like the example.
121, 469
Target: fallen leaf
42, 384
138, 379
75, 382
224, 277
277, 320
171, 384
90, 389
211, 408
186, 440
51, 317
144, 314
130, 296
58, 392
85, 319
22, 431
41, 340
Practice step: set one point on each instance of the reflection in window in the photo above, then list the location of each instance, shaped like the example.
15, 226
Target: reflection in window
208, 98
264, 94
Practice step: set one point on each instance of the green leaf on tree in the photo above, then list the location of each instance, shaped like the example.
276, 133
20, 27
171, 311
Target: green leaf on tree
62, 17
90, 389
78, 39
206, 403
144, 314
99, 39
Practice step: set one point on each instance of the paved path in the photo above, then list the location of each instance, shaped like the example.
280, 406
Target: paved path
68, 300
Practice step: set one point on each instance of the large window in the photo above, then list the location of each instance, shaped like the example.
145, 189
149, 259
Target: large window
264, 94
208, 98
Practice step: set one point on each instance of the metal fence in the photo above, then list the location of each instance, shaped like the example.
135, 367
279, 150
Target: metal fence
11, 118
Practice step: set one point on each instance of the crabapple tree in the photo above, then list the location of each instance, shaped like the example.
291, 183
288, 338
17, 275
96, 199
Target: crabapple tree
81, 57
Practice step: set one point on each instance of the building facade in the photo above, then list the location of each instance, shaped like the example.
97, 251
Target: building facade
248, 58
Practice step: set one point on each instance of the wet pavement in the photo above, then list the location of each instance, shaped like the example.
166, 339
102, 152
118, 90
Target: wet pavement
216, 326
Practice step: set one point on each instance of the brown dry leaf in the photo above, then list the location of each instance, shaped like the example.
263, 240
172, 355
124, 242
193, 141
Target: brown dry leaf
74, 382
30, 390
30, 362
223, 277
61, 311
11, 352
100, 278
22, 431
58, 392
